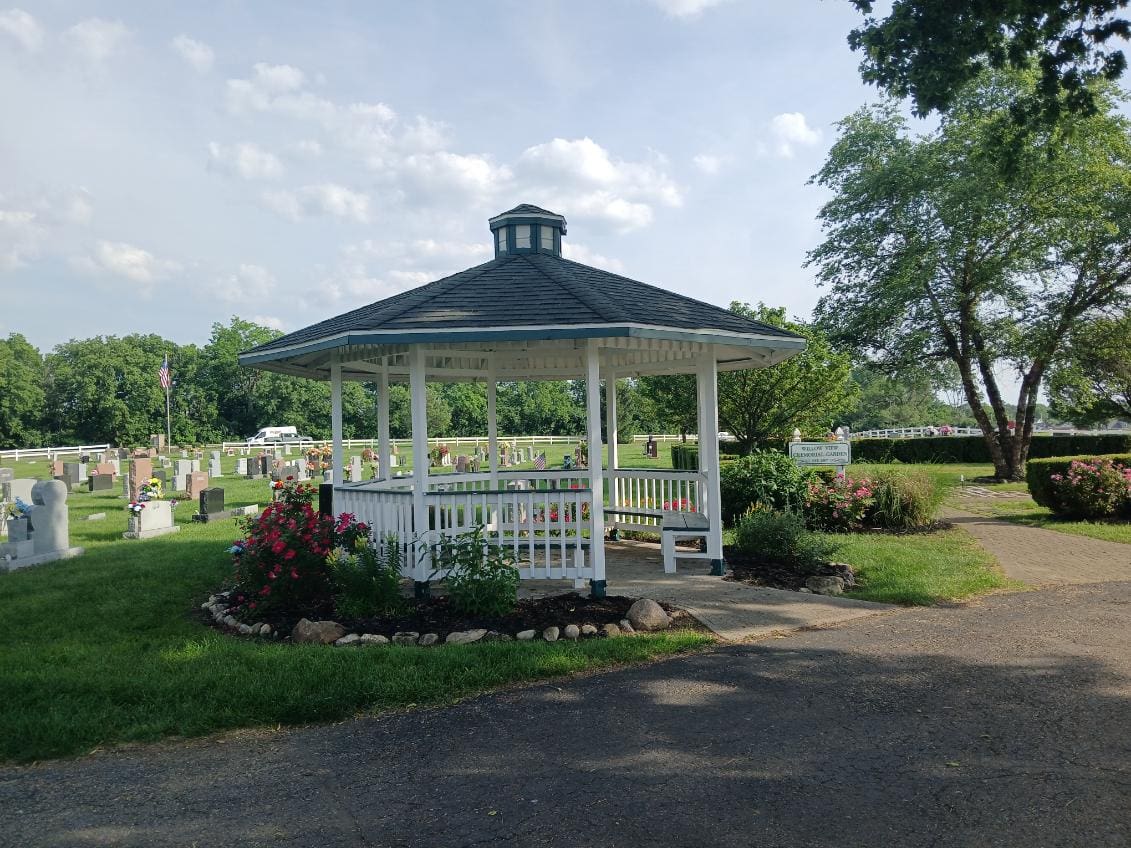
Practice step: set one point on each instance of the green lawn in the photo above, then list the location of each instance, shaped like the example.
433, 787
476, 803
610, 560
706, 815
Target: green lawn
111, 647
1026, 511
922, 568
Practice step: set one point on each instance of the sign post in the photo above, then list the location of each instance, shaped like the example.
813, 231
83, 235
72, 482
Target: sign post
838, 454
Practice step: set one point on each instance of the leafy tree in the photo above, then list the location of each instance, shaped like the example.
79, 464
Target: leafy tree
1093, 383
933, 252
930, 50
235, 388
468, 405
907, 400
436, 408
22, 396
539, 406
807, 391
670, 403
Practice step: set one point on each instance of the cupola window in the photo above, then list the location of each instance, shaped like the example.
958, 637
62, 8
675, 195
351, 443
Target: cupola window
521, 236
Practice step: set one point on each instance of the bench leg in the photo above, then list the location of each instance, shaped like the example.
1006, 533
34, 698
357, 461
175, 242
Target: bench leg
667, 546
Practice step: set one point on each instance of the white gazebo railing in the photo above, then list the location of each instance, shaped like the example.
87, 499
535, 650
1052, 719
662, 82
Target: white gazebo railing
640, 497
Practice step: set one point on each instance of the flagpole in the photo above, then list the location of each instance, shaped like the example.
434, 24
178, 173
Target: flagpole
168, 416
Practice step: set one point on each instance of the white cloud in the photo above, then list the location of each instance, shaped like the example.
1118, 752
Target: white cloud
96, 39
21, 237
22, 27
708, 163
580, 253
196, 53
686, 8
126, 260
323, 199
443, 172
582, 177
249, 284
245, 159
790, 130
268, 321
309, 147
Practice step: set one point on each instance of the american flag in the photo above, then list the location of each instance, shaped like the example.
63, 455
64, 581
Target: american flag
166, 378
540, 462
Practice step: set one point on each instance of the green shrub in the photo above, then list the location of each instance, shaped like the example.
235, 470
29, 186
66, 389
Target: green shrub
766, 479
838, 505
782, 537
685, 457
1039, 476
902, 500
972, 449
482, 579
367, 579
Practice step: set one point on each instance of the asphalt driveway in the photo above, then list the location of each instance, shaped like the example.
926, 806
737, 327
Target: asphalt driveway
1005, 722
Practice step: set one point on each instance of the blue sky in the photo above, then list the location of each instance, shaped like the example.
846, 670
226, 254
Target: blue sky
168, 165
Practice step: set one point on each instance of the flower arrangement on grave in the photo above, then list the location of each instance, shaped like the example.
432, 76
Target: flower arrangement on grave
368, 455
19, 509
135, 507
150, 490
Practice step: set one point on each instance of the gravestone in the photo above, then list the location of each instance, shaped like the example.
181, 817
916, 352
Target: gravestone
157, 441
214, 467
211, 505
156, 519
7, 475
46, 531
461, 464
241, 465
394, 461
106, 468
57, 469
162, 476
197, 482
194, 464
287, 450
258, 467
182, 468
355, 469
184, 454
100, 483
140, 472
74, 474
20, 488
108, 456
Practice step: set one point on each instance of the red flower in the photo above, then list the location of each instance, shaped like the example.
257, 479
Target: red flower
289, 555
278, 547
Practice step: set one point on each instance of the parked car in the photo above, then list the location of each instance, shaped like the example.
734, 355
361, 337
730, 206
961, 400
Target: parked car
277, 434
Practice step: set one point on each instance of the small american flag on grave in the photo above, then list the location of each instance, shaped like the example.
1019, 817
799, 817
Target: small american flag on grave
540, 462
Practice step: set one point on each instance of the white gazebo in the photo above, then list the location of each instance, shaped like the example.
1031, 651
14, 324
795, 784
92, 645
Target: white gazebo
529, 314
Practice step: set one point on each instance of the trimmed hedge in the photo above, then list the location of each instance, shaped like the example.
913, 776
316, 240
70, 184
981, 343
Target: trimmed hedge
685, 457
972, 449
1038, 474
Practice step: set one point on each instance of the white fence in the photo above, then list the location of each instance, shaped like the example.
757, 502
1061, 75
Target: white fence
51, 453
451, 441
914, 432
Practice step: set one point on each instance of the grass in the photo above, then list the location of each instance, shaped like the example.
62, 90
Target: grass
111, 647
919, 569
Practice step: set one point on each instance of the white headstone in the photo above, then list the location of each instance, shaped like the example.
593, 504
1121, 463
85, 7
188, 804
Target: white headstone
355, 469
214, 467
156, 519
241, 466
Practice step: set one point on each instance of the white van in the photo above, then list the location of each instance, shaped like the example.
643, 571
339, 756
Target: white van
277, 434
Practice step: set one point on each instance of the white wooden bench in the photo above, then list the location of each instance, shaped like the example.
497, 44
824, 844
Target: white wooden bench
682, 525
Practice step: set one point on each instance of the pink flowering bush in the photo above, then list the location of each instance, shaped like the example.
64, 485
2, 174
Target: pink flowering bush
838, 505
1095, 488
281, 563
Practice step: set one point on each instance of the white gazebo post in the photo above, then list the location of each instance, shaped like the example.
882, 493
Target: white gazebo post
708, 397
337, 461
611, 440
596, 478
383, 450
418, 388
492, 426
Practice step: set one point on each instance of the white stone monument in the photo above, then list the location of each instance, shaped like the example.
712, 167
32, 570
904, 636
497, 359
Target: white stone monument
155, 519
49, 536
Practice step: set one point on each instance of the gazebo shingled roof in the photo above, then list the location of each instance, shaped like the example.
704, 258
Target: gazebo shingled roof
526, 296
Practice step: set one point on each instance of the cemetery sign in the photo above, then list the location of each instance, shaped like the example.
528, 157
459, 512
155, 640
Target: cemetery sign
821, 453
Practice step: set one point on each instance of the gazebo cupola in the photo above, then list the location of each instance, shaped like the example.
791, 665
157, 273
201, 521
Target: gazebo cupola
527, 229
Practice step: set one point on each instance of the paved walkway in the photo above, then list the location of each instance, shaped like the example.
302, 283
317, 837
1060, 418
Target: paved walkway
998, 723
733, 611
1042, 557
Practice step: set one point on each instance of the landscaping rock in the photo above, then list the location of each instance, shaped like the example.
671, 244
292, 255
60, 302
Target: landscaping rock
805, 590
465, 637
265, 630
646, 614
244, 629
230, 621
626, 626
825, 585
373, 639
611, 629
348, 639
550, 634
572, 631
429, 639
496, 636
588, 630
317, 632
407, 637
526, 635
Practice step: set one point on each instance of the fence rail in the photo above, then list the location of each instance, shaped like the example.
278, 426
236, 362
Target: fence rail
51, 453
915, 432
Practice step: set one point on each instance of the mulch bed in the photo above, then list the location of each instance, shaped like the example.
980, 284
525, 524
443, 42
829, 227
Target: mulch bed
757, 571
